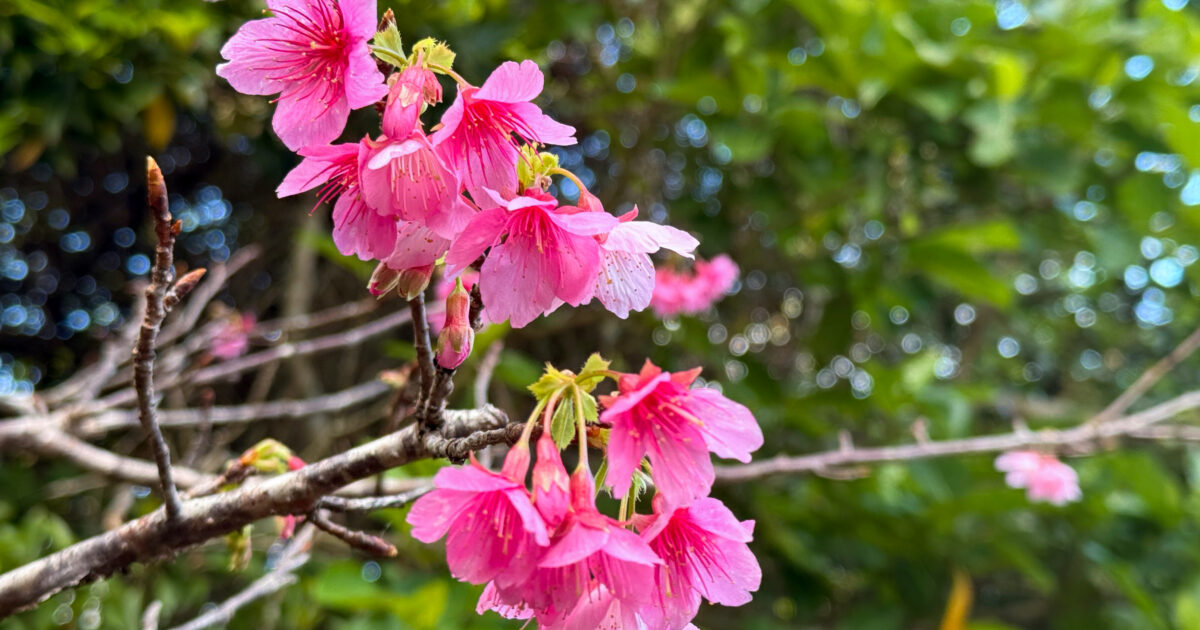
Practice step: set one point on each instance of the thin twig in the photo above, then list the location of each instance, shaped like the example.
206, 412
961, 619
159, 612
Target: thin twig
165, 231
424, 349
362, 541
1148, 379
1079, 436
283, 351
239, 414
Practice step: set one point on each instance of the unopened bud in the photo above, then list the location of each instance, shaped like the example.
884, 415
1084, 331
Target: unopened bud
457, 336
383, 279
412, 281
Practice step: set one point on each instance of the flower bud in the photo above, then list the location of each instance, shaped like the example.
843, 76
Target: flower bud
457, 336
383, 279
412, 281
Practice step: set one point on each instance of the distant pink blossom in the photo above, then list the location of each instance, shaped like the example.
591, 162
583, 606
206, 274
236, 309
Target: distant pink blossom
691, 293
333, 170
314, 54
233, 338
626, 279
476, 137
705, 554
490, 525
549, 254
1041, 475
654, 414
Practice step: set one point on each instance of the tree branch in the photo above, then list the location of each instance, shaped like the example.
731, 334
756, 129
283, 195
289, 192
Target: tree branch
152, 536
424, 350
1080, 436
156, 310
370, 504
1148, 379
362, 541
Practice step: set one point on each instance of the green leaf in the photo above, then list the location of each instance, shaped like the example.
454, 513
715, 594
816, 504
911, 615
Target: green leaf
387, 46
435, 53
594, 363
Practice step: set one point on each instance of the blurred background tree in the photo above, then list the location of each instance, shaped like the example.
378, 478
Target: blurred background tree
956, 213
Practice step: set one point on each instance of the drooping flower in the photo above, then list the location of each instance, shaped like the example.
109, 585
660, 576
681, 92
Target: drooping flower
549, 254
333, 170
551, 483
490, 525
403, 176
476, 137
655, 414
599, 609
1041, 475
314, 54
588, 549
233, 338
457, 337
626, 279
691, 293
705, 554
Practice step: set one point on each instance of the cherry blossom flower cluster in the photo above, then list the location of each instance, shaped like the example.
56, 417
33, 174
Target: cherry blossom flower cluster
693, 292
469, 187
544, 551
1041, 475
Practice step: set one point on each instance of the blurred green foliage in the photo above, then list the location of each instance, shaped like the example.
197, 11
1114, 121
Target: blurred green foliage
958, 213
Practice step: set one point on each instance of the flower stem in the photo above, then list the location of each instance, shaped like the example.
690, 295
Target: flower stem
450, 73
581, 422
613, 374
571, 176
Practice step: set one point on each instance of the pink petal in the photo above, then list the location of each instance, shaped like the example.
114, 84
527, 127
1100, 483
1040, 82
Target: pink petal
646, 238
512, 83
625, 282
481, 232
360, 231
490, 600
729, 428
530, 518
576, 259
682, 469
360, 17
576, 544
584, 223
626, 448
630, 547
712, 515
516, 282
470, 479
538, 127
740, 575
416, 246
432, 515
248, 58
305, 121
316, 168
364, 82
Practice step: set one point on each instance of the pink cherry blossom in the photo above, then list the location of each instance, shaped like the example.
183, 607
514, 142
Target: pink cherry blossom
626, 279
599, 609
333, 170
551, 484
655, 414
476, 137
691, 293
314, 54
233, 338
490, 525
549, 255
403, 176
704, 552
1043, 477
588, 548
